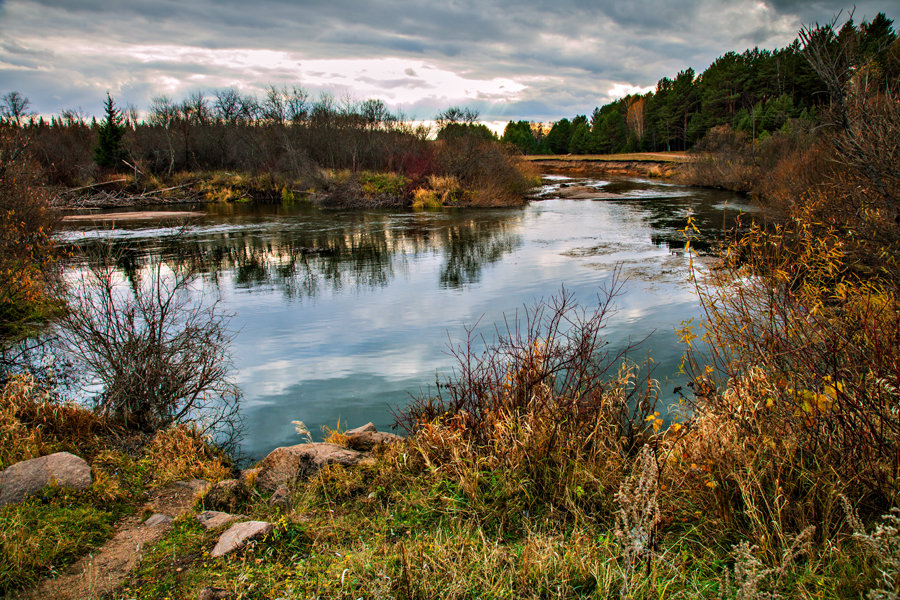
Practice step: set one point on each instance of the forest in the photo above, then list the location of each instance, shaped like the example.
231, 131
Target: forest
756, 92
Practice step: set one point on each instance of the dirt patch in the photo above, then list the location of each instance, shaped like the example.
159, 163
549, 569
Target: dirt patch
105, 570
139, 215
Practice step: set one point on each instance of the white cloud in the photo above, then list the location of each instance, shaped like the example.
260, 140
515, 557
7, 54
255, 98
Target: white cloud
620, 90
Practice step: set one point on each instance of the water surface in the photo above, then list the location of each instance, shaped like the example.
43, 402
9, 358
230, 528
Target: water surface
343, 315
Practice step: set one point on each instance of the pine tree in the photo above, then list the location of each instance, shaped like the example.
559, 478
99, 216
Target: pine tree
109, 153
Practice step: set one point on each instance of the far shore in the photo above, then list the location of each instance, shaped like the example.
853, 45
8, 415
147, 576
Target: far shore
636, 164
139, 215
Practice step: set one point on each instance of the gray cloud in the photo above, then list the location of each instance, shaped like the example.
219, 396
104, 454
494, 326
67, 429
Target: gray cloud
565, 55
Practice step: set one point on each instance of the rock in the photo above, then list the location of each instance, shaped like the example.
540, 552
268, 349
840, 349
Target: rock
281, 496
226, 495
239, 534
157, 519
213, 519
248, 477
367, 437
26, 478
213, 593
292, 463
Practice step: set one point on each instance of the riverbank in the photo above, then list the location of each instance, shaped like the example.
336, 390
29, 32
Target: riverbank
665, 165
435, 515
324, 189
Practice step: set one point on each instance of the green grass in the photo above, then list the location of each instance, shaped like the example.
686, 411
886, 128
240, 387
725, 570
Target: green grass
42, 535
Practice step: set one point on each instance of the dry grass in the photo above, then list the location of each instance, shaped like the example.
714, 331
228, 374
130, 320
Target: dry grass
34, 423
181, 452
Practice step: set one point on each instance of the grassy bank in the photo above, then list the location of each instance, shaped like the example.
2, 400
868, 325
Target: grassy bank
42, 535
491, 179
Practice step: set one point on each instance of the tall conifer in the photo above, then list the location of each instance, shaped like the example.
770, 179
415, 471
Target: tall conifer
109, 153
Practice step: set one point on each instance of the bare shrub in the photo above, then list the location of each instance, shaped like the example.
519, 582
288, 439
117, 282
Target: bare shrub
545, 404
159, 355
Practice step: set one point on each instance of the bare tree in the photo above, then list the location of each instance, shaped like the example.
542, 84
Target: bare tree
273, 108
297, 104
227, 106
14, 107
159, 354
456, 114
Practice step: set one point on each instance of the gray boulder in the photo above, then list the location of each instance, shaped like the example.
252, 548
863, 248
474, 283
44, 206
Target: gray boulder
237, 536
28, 477
297, 463
367, 437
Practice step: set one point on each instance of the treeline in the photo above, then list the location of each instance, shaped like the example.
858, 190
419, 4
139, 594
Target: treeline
286, 138
757, 92
283, 132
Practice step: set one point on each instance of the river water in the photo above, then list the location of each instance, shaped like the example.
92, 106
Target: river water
340, 316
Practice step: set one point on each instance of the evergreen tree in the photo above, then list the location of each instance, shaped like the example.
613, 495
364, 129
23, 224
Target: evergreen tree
109, 153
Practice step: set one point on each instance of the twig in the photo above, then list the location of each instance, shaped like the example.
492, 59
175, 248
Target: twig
84, 187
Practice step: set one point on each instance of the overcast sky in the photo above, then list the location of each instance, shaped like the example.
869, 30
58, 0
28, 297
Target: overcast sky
511, 59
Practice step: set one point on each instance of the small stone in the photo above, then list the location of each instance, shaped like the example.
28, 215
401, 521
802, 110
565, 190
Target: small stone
157, 519
28, 477
239, 534
213, 593
367, 437
213, 519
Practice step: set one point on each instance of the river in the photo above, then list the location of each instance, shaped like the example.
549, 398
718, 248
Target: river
340, 316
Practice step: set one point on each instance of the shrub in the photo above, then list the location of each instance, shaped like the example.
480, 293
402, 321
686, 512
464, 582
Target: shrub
798, 385
544, 406
486, 169
26, 227
160, 357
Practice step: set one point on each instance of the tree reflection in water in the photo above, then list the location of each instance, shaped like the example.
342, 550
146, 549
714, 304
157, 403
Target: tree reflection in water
323, 251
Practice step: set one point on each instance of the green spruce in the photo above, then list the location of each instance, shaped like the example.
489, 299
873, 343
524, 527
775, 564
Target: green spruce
109, 153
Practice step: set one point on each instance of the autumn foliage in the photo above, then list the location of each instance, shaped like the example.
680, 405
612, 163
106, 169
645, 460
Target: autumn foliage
25, 228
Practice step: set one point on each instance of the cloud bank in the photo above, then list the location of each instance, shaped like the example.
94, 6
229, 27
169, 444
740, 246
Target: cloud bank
528, 59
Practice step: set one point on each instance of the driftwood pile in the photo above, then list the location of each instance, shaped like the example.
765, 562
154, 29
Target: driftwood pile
90, 196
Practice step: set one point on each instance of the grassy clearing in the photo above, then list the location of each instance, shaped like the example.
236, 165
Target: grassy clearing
396, 531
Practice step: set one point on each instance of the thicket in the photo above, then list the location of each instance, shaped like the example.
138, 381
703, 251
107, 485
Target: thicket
26, 248
283, 144
757, 92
